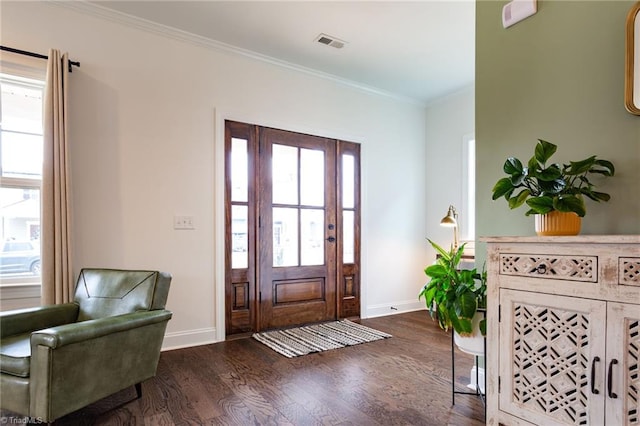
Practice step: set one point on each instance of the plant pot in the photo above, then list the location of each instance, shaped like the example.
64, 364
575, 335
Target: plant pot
473, 344
557, 223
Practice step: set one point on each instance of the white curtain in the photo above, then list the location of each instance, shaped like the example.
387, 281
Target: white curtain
55, 229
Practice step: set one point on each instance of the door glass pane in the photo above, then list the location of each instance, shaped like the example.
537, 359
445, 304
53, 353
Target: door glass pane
348, 232
312, 237
284, 166
239, 237
285, 236
348, 181
239, 170
312, 177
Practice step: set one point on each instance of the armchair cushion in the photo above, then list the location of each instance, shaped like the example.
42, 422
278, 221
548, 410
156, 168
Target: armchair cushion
15, 333
15, 355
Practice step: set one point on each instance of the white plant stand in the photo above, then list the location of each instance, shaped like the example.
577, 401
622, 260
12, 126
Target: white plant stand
477, 376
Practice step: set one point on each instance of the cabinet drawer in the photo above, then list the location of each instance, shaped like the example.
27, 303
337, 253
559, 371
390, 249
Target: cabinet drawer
629, 271
545, 266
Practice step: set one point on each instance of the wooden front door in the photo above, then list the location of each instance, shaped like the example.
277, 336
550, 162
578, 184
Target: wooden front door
297, 229
292, 228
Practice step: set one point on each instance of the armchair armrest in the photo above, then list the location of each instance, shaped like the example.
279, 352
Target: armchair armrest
67, 334
32, 319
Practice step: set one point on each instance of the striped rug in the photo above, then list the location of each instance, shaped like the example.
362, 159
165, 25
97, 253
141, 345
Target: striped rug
318, 337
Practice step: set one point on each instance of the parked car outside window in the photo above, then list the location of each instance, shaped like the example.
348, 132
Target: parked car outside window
20, 256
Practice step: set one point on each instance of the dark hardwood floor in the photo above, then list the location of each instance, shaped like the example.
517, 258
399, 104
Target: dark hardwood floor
404, 380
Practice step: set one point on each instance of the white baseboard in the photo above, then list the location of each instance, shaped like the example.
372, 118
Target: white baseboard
393, 308
185, 339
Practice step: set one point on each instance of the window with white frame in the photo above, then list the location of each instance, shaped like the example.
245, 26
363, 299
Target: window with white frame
467, 228
21, 142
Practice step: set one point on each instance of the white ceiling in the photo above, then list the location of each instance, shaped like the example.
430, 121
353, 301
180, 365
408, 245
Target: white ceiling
421, 50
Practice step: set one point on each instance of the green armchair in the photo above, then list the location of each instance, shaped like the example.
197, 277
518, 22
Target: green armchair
57, 359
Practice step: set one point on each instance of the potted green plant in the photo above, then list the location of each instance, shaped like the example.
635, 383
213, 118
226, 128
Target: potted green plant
550, 188
454, 295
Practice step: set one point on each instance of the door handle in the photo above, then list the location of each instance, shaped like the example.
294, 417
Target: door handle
331, 239
593, 375
612, 395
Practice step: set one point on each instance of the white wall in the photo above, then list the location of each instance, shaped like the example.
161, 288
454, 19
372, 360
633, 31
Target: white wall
449, 121
146, 117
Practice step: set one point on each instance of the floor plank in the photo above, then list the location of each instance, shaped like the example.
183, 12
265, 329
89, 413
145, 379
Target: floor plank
404, 380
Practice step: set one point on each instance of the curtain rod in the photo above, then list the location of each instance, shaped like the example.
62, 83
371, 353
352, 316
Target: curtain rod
36, 55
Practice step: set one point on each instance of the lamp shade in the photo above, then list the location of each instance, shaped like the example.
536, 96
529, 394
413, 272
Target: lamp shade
451, 219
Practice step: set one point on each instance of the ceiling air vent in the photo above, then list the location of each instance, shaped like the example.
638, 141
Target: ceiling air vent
330, 41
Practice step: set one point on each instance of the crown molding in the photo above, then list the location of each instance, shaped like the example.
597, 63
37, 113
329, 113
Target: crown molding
84, 7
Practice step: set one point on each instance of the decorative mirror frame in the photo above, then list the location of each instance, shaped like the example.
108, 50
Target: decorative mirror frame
632, 59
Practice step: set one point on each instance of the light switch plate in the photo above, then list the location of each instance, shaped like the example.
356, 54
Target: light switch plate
183, 222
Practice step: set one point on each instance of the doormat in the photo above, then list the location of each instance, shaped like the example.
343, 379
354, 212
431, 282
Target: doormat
318, 337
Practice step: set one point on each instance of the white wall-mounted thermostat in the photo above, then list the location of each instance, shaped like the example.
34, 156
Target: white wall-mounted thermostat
517, 10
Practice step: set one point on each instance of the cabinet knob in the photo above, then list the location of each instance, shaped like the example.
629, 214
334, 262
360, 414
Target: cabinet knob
541, 269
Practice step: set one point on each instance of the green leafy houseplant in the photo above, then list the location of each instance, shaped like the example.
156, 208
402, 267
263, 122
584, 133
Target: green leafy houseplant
454, 295
546, 188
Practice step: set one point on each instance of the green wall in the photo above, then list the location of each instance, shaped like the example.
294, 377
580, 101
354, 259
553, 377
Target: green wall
558, 76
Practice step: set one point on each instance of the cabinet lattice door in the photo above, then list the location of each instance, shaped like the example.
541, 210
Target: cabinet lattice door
623, 346
549, 346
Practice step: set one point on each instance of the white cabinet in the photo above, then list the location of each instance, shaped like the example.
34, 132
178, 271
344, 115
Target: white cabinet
563, 338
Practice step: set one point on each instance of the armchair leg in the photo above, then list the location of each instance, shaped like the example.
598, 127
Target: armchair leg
139, 390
